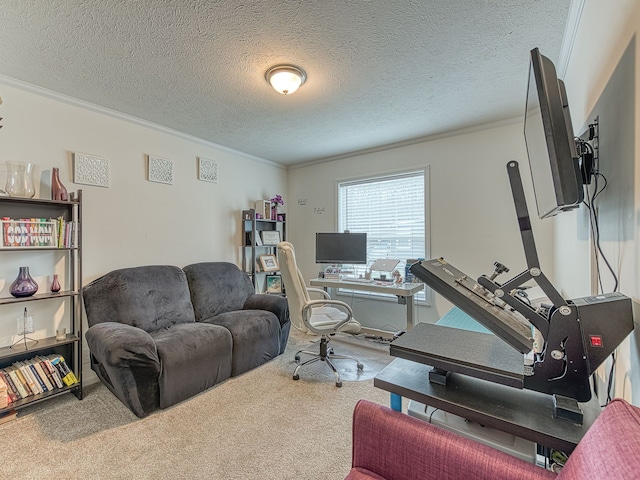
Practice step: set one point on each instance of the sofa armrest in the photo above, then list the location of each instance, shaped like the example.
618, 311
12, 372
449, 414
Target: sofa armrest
391, 444
272, 303
117, 344
127, 361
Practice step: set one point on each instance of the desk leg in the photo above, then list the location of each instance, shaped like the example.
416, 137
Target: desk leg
396, 402
410, 321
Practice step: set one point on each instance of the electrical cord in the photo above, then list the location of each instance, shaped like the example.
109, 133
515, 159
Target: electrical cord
595, 235
431, 415
610, 383
595, 231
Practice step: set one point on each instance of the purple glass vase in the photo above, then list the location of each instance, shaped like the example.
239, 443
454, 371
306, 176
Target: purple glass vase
24, 285
55, 284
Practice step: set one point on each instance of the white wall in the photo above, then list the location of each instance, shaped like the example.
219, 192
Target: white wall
603, 77
473, 221
133, 222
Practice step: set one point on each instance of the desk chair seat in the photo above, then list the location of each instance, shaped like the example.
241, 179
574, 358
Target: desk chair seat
324, 317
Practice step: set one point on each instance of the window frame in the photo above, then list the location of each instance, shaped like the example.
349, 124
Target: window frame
421, 298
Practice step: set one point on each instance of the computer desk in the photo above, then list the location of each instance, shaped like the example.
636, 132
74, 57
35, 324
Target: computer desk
403, 291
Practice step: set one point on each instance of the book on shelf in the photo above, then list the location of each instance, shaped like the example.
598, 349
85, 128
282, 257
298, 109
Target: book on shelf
43, 376
55, 375
11, 388
4, 395
68, 377
39, 383
65, 231
41, 366
28, 376
39, 386
12, 382
19, 381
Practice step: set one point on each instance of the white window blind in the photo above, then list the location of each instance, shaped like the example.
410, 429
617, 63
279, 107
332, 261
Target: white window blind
391, 210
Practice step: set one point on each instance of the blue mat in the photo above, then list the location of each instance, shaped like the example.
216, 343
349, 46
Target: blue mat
456, 318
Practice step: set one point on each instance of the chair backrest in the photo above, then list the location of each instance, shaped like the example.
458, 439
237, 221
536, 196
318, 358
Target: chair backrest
294, 285
217, 287
150, 297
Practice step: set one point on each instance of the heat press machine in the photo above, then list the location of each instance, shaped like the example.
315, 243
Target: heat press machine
560, 345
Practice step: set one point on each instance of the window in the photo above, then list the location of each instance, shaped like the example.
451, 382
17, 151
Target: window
392, 211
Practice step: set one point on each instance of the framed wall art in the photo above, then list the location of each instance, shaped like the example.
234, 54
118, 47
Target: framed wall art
274, 284
207, 170
90, 170
270, 237
159, 170
269, 263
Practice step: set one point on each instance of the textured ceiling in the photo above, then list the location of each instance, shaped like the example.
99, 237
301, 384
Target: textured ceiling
378, 71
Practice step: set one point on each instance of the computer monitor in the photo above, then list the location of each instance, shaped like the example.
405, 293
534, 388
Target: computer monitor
551, 145
341, 248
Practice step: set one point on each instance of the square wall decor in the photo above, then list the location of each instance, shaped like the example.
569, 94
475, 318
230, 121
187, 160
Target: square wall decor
160, 170
207, 170
90, 170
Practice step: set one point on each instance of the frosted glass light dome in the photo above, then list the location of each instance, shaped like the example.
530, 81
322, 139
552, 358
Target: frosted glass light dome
285, 79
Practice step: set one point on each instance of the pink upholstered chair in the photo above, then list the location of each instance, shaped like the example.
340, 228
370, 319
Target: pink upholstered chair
391, 445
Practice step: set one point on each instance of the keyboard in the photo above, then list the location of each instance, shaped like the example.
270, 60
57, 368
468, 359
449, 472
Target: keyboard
357, 280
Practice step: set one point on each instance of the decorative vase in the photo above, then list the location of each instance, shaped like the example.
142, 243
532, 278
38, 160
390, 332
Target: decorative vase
55, 284
58, 190
20, 180
24, 285
274, 213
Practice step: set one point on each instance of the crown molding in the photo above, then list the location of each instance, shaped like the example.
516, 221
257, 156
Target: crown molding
91, 107
571, 30
427, 138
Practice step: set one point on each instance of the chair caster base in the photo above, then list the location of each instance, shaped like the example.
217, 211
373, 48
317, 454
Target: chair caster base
326, 355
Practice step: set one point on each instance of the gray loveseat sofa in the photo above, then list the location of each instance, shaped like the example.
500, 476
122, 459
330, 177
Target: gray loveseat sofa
160, 334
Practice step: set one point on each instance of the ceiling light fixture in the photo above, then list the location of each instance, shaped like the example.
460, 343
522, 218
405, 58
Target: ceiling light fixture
285, 79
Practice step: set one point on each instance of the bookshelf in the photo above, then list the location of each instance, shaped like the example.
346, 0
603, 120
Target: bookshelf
65, 253
253, 246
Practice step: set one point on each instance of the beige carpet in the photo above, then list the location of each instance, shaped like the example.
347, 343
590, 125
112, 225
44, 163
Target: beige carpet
261, 425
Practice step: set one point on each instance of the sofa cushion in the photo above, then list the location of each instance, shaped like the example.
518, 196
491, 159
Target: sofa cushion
193, 357
150, 297
217, 287
256, 337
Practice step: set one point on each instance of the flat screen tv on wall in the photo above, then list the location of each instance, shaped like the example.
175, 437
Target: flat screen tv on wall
551, 145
